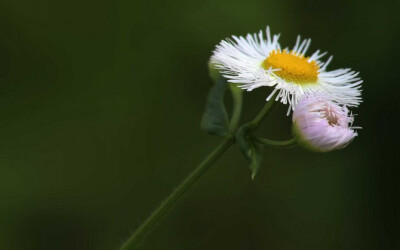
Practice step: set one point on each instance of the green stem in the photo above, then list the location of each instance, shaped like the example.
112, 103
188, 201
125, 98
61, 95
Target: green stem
237, 107
133, 241
264, 112
249, 127
276, 144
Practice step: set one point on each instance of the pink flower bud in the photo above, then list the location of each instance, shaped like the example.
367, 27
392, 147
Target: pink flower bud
321, 125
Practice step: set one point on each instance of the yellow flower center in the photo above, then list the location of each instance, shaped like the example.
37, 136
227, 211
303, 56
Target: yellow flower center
293, 67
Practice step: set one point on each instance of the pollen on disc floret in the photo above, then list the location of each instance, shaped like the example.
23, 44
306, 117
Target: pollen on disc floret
293, 67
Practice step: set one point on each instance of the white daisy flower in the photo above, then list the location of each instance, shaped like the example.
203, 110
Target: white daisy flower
254, 61
321, 125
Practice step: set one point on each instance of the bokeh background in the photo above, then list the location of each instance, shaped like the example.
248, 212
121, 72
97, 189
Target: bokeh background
100, 104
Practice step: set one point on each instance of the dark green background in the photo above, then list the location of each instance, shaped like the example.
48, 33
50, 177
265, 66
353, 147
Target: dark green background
100, 105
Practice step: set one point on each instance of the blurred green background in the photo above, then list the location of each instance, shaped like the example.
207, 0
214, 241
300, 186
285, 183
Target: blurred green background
100, 104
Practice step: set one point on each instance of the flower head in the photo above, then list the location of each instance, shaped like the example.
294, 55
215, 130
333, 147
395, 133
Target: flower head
321, 125
254, 61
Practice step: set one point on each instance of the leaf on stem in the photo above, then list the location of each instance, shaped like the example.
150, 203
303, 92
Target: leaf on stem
256, 158
250, 149
215, 118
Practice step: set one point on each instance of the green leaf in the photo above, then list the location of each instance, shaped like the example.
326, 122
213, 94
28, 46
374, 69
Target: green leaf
215, 119
256, 158
250, 149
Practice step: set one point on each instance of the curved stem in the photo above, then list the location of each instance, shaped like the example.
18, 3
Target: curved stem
264, 112
237, 107
276, 144
249, 127
133, 241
